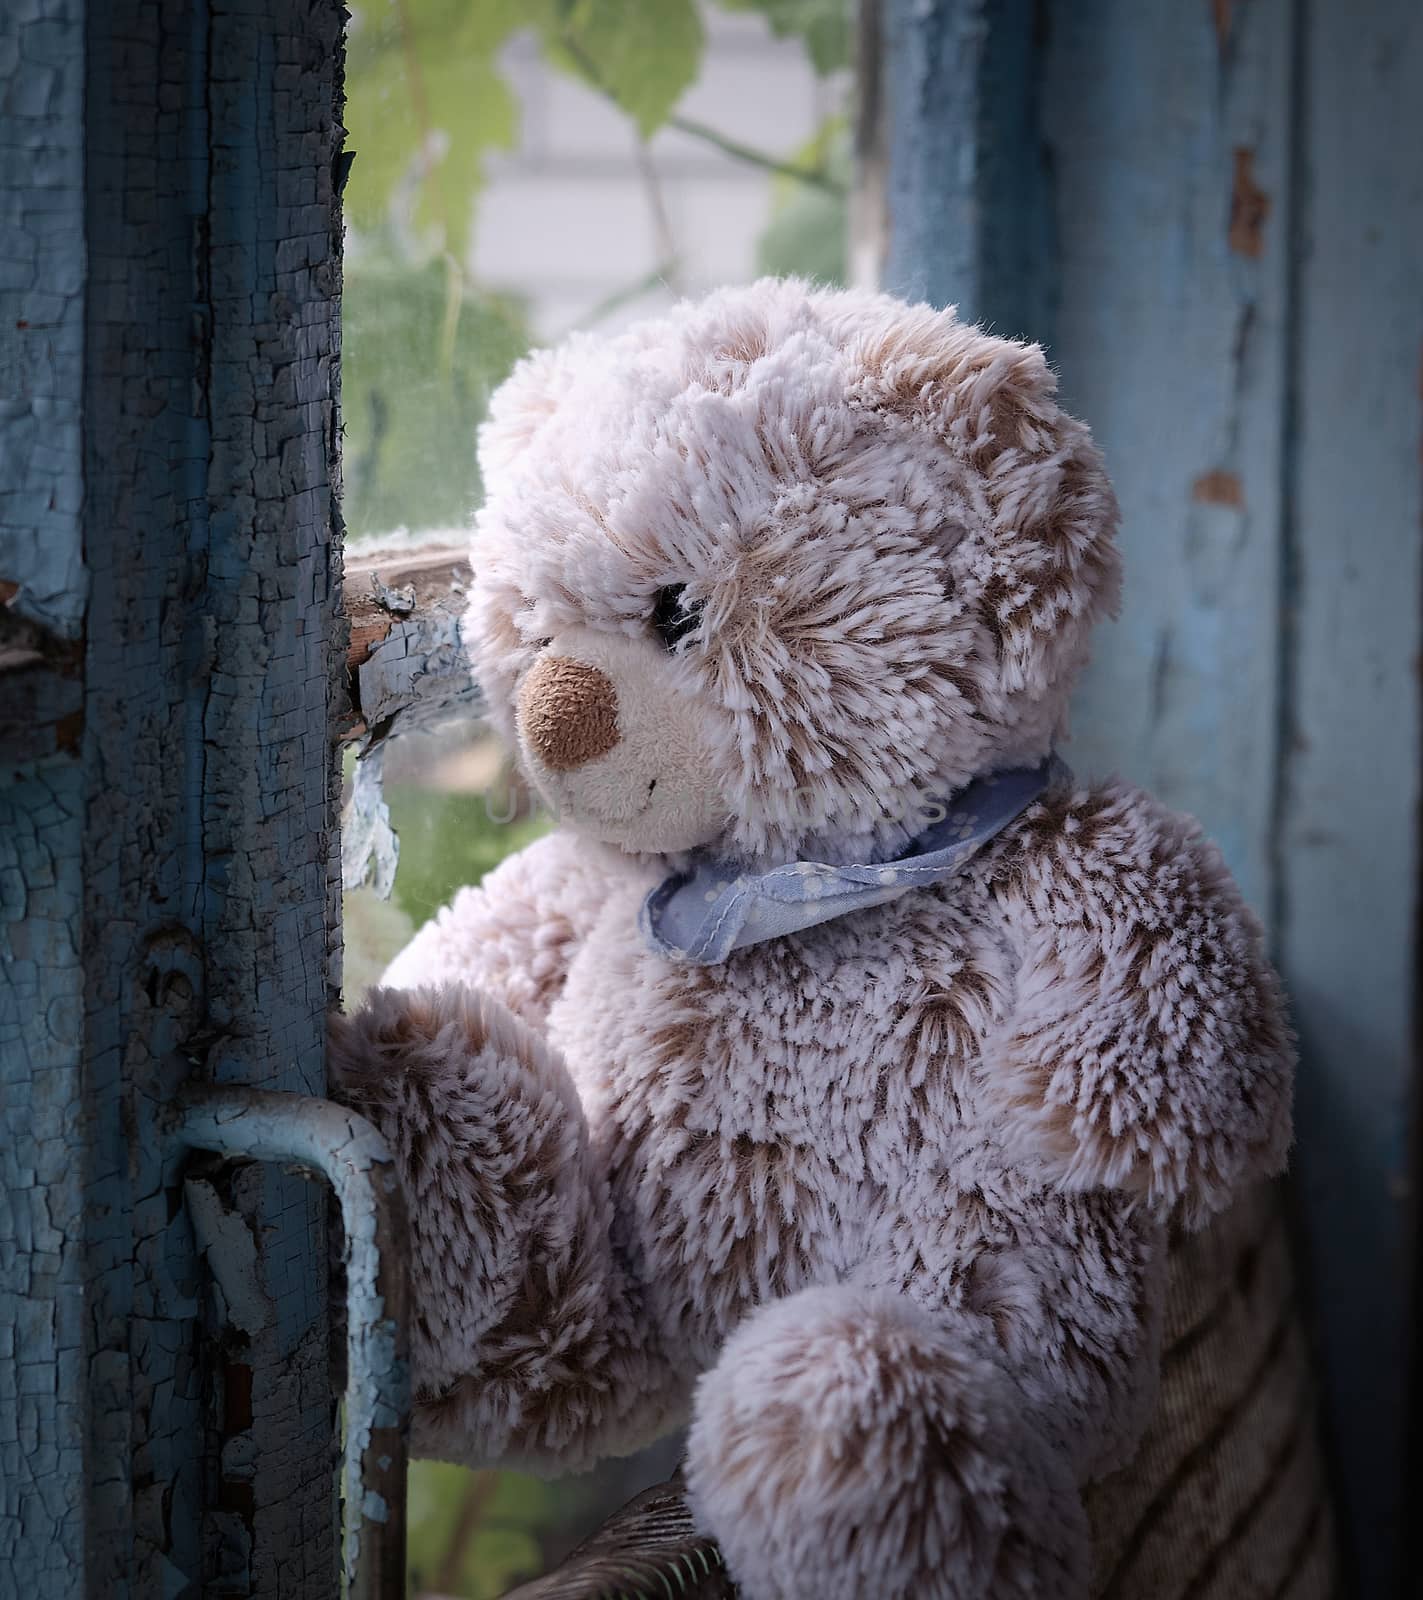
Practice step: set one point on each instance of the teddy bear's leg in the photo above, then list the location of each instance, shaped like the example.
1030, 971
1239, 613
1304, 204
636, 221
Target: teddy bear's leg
528, 1341
850, 1444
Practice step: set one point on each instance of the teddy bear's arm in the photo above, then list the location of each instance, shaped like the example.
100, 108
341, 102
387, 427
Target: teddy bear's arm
513, 935
530, 1344
1147, 1048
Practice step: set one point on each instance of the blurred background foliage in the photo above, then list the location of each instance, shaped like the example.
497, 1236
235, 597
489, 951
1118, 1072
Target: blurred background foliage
428, 104
415, 385
431, 106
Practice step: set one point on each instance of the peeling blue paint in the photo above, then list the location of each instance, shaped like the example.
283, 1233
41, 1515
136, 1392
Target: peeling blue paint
348, 1152
370, 851
420, 659
41, 1184
42, 1168
416, 675
42, 310
168, 882
229, 1250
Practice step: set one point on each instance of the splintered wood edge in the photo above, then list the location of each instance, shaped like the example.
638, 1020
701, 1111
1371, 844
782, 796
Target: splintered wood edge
439, 575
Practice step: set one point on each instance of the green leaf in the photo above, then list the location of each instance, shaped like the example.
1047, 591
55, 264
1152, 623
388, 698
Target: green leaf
824, 25
808, 234
497, 1550
643, 54
499, 1557
425, 104
432, 1500
806, 239
412, 395
448, 840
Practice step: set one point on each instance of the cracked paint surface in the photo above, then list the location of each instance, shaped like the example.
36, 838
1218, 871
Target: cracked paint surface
41, 1182
42, 591
169, 889
410, 671
42, 310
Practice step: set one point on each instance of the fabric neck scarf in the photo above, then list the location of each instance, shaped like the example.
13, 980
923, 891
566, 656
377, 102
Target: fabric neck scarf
704, 915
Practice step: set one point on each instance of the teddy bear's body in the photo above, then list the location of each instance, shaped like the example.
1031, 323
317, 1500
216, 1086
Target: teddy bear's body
880, 1203
814, 1115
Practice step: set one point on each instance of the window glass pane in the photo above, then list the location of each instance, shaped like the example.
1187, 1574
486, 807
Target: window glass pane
522, 170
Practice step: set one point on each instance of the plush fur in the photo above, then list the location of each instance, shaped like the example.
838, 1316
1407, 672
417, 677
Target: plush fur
897, 541
880, 1205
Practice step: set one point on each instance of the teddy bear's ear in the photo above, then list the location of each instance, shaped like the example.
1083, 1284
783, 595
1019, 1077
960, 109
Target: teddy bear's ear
520, 407
986, 393
993, 402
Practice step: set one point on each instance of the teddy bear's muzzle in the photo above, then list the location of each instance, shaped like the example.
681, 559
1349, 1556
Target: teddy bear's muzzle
617, 741
568, 712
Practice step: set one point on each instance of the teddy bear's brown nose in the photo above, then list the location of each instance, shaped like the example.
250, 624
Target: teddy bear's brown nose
568, 712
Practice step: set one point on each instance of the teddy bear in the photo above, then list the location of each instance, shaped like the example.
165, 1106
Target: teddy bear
829, 1079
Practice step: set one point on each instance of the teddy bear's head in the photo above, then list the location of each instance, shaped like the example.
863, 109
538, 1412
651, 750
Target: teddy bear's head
768, 572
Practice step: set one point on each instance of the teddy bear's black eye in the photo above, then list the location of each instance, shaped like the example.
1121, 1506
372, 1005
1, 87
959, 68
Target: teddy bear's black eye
672, 618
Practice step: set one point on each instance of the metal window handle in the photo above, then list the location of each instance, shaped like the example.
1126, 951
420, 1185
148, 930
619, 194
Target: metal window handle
346, 1150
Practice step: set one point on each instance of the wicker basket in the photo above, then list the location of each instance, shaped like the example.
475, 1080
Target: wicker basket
1226, 1498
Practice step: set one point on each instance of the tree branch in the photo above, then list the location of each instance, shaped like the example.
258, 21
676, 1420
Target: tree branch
755, 158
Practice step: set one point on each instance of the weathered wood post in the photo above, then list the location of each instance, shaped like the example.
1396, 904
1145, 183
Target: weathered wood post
1213, 216
171, 672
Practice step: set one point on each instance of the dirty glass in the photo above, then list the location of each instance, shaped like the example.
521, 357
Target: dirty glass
521, 169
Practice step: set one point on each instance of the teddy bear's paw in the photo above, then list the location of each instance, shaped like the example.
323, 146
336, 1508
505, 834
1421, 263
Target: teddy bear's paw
849, 1443
411, 1048
394, 1030
491, 1146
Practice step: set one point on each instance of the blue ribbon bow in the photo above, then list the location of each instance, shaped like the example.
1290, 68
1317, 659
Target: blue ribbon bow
703, 915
